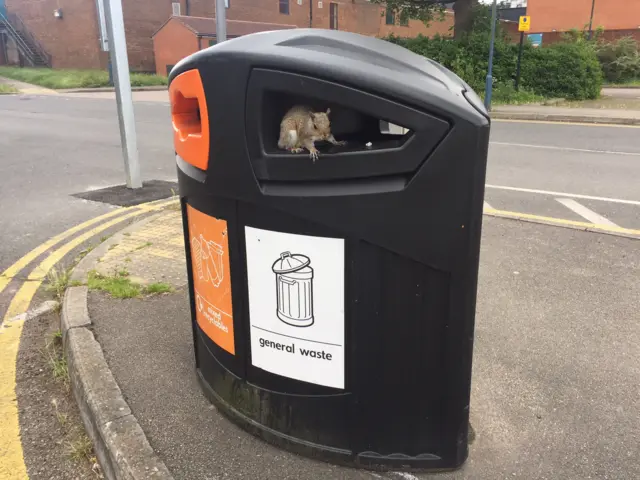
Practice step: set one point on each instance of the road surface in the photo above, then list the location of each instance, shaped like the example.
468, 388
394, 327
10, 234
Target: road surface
55, 146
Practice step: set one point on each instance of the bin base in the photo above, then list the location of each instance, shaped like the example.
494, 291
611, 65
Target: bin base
367, 460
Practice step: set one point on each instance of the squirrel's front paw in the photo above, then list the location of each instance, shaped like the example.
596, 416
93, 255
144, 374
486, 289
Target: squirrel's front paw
296, 150
341, 143
314, 154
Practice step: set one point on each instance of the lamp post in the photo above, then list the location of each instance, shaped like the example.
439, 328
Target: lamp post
593, 7
489, 85
221, 21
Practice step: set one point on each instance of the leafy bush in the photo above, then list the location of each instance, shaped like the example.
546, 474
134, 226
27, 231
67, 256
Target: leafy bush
568, 70
620, 60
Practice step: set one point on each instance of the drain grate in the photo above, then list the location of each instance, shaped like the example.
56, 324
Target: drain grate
126, 197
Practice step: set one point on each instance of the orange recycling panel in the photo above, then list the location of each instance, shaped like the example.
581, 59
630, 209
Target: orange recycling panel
209, 242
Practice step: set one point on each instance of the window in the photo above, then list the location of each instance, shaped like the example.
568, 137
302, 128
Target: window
333, 16
212, 42
284, 7
391, 18
175, 8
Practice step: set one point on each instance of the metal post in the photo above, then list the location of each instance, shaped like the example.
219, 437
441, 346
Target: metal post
489, 84
110, 70
221, 21
519, 60
311, 13
120, 65
593, 7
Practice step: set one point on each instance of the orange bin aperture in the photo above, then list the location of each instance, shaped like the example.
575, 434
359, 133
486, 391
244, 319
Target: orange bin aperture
190, 119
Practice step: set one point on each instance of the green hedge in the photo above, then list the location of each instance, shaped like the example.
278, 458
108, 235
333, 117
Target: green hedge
561, 70
620, 60
567, 70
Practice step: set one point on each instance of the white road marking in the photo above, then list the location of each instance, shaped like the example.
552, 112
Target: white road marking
41, 309
563, 194
584, 212
562, 124
568, 149
406, 476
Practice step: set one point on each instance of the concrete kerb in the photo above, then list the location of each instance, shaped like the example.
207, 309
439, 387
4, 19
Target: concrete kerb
120, 444
153, 88
550, 117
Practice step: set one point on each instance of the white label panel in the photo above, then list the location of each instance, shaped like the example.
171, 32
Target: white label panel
296, 305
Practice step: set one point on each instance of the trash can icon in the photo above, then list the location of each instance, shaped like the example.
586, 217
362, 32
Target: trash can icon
333, 282
294, 288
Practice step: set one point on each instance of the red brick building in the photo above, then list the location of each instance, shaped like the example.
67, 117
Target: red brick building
71, 37
181, 36
551, 17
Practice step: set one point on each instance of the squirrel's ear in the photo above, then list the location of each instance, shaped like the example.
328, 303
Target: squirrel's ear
328, 111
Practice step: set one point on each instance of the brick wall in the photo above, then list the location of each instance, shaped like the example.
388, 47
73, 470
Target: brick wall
358, 16
73, 40
609, 35
141, 20
174, 41
549, 15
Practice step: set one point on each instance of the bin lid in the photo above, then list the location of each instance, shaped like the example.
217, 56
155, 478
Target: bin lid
288, 263
350, 59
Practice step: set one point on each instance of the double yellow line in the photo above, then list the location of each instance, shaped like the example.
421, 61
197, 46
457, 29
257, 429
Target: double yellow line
12, 464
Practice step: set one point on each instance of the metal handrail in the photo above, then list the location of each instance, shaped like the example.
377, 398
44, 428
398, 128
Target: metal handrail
12, 20
14, 34
13, 17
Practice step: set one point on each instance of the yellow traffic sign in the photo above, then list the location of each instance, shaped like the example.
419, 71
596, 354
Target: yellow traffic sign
525, 23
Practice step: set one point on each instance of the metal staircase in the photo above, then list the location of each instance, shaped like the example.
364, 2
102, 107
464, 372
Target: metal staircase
32, 51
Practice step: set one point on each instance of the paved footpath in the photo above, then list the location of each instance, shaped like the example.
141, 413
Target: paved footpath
555, 382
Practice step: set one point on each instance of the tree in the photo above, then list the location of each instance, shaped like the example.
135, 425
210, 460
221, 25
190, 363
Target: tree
463, 19
428, 10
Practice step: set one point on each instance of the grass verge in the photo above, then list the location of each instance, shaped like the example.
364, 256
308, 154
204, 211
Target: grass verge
57, 282
6, 89
58, 79
120, 286
506, 94
56, 359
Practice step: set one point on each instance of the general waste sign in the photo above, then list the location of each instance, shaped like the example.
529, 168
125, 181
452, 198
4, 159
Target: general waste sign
296, 305
525, 23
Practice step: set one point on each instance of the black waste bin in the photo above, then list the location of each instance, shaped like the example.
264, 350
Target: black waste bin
333, 301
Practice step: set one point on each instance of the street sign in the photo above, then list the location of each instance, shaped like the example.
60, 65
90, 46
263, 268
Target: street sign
525, 23
535, 39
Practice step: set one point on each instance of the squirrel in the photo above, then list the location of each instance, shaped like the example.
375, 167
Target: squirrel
301, 127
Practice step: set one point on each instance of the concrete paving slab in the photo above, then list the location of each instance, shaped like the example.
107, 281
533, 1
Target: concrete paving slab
555, 391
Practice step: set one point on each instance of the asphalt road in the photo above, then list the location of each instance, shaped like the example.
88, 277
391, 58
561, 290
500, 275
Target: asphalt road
55, 146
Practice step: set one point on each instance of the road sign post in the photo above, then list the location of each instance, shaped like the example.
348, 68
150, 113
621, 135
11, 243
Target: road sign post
523, 26
120, 65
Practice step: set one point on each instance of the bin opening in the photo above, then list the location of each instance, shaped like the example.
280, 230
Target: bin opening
186, 116
361, 131
190, 119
